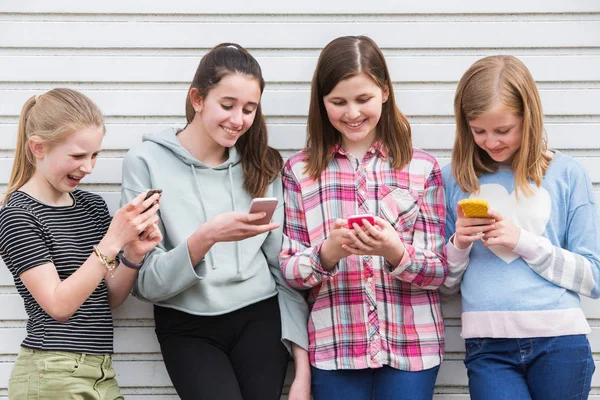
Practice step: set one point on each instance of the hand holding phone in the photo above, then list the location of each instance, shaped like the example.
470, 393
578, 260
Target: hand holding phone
266, 205
151, 193
358, 219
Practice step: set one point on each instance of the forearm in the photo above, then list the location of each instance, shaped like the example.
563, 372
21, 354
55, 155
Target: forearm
562, 267
421, 267
301, 362
72, 292
458, 260
199, 243
120, 283
301, 266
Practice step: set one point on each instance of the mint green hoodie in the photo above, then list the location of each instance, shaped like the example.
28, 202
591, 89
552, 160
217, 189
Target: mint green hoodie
232, 275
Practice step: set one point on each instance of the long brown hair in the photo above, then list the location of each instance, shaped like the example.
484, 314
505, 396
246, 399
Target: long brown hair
261, 164
341, 59
51, 117
488, 80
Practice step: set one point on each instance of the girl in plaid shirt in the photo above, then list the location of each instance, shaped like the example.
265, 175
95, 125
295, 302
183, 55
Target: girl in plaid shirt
375, 327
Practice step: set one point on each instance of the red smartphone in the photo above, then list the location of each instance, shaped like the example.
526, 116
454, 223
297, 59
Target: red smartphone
358, 219
151, 193
266, 205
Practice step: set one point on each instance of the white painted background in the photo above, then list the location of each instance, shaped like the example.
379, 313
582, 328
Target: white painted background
136, 59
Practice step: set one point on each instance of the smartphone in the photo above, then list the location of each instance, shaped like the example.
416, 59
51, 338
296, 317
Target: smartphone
151, 193
263, 204
475, 208
358, 219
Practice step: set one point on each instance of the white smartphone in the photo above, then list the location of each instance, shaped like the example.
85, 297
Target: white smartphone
263, 204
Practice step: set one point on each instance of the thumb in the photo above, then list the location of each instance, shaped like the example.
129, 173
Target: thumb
340, 223
255, 216
459, 211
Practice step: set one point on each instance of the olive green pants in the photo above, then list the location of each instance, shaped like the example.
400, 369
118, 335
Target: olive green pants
61, 375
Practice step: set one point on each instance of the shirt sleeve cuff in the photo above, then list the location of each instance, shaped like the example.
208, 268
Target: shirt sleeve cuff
315, 261
455, 255
531, 246
404, 263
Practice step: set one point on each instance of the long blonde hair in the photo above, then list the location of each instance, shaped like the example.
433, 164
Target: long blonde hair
51, 117
343, 58
505, 79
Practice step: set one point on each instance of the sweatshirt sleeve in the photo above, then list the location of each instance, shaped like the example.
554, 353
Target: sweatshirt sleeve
299, 261
575, 265
165, 273
293, 306
424, 260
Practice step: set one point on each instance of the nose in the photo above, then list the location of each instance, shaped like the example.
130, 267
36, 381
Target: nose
87, 166
236, 118
491, 141
353, 111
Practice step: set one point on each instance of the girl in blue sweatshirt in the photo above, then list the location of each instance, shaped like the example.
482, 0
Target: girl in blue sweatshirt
521, 270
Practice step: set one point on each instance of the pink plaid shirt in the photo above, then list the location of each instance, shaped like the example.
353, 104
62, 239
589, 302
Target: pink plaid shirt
366, 313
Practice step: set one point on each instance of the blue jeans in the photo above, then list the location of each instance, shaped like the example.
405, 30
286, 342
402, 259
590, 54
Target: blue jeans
373, 384
545, 368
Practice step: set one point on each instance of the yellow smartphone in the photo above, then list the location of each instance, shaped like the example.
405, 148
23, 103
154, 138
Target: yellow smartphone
475, 208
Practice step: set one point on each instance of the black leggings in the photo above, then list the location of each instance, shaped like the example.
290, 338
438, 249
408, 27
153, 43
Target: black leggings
235, 356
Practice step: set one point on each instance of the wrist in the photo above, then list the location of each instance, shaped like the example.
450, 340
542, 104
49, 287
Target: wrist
204, 235
132, 263
109, 247
133, 257
328, 256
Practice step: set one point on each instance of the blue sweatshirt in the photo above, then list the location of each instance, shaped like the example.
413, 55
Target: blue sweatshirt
533, 290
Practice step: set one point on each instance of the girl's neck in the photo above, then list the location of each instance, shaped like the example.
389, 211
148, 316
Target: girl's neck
359, 149
201, 146
40, 189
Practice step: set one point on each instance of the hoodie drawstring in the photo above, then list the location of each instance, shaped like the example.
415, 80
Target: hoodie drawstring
237, 244
209, 254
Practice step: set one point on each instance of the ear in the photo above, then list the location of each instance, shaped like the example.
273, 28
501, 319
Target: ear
37, 147
386, 94
196, 100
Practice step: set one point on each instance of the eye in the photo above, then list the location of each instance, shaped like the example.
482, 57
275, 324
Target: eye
364, 100
503, 132
248, 112
338, 103
479, 132
78, 156
95, 155
225, 107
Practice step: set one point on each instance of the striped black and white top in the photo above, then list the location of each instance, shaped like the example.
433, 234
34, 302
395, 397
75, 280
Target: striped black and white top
33, 234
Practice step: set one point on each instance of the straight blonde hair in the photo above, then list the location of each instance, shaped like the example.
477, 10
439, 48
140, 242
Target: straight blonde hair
341, 59
505, 79
51, 117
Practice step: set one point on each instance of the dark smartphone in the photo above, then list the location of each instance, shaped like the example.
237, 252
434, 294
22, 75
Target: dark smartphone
151, 193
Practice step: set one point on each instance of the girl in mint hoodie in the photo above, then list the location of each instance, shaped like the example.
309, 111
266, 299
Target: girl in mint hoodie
222, 311
521, 271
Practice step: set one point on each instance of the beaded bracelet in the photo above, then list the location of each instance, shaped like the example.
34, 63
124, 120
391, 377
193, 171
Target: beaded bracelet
109, 263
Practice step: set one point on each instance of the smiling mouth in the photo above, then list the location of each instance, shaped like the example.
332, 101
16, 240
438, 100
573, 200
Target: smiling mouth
354, 125
231, 131
75, 178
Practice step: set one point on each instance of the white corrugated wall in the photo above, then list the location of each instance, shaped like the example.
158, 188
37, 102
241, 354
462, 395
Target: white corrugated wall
136, 59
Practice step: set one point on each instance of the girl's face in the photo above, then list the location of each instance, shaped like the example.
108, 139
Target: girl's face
228, 110
64, 164
498, 132
354, 109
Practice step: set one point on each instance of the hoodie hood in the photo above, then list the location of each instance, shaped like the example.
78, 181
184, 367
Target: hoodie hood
168, 139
